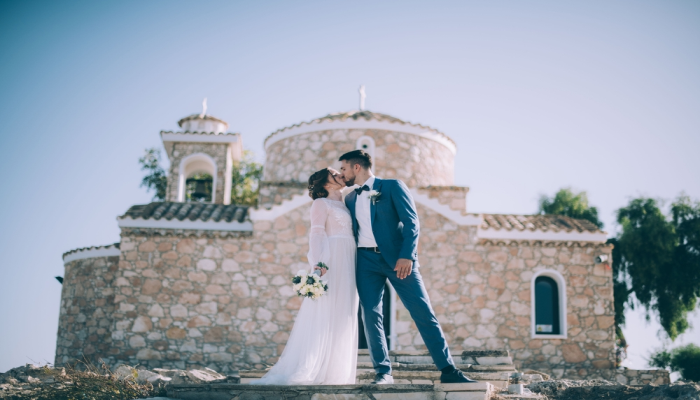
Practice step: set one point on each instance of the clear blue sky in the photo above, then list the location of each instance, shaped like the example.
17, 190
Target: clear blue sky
599, 95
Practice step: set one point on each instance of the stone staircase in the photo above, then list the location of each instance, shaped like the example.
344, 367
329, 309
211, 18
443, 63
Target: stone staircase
416, 367
415, 377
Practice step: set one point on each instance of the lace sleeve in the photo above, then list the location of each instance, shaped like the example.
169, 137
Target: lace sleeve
318, 239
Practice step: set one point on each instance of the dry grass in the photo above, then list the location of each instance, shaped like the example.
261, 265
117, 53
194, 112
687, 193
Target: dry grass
81, 381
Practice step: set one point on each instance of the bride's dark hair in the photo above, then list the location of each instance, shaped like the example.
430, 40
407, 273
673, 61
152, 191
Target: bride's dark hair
317, 181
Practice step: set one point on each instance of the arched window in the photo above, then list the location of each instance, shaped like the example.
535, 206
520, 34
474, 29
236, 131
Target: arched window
197, 179
366, 143
546, 306
548, 295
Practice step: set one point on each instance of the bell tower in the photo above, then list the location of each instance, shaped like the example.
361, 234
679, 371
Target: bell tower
201, 159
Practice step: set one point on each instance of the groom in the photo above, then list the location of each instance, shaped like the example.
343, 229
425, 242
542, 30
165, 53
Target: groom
386, 228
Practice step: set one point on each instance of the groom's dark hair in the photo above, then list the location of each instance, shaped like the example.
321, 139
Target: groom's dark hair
357, 157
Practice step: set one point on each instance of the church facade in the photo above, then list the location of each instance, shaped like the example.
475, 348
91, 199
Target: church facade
197, 281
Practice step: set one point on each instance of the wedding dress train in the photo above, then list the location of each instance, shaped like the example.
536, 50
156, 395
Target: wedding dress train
322, 347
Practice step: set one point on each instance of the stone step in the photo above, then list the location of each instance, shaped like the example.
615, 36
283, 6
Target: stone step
432, 367
534, 396
227, 391
466, 353
475, 357
366, 376
498, 380
418, 373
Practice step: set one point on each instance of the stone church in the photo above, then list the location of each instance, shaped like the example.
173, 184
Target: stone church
197, 281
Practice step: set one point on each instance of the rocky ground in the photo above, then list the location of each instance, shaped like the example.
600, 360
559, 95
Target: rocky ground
600, 389
126, 383
91, 383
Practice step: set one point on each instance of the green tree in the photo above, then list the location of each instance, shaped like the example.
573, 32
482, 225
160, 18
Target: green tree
246, 180
574, 205
657, 258
155, 178
685, 359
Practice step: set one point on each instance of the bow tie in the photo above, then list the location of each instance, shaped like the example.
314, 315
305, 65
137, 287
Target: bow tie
361, 189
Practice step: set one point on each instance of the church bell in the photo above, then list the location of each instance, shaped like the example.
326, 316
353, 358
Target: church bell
200, 191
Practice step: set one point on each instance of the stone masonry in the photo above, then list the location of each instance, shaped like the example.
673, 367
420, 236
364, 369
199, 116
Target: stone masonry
87, 308
297, 157
189, 299
272, 193
217, 151
183, 300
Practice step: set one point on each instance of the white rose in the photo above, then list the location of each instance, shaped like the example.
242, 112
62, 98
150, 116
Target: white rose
301, 272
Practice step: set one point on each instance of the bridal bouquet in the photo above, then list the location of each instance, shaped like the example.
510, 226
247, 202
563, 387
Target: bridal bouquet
309, 285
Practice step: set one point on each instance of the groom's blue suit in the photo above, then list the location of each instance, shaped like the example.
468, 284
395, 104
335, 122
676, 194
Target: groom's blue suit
396, 228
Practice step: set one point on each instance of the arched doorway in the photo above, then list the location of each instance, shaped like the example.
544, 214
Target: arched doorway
387, 311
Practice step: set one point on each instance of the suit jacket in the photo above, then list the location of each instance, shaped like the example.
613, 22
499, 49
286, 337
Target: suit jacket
394, 220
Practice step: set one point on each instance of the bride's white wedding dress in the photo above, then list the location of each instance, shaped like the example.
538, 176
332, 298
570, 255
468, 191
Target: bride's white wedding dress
322, 347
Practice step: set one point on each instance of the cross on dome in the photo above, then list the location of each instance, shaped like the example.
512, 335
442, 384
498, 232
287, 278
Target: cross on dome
362, 97
204, 108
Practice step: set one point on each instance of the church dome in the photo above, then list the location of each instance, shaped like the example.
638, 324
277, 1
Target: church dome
203, 123
417, 154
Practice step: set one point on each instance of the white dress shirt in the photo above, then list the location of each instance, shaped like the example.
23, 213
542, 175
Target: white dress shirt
364, 217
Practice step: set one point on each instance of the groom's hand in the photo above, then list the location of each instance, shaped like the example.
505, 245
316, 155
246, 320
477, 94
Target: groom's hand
403, 267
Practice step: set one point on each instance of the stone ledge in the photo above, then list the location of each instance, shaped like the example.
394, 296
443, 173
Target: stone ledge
464, 353
489, 361
485, 353
487, 368
456, 391
520, 397
463, 387
473, 357
435, 375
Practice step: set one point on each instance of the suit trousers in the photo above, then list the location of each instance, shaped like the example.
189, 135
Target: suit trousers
371, 275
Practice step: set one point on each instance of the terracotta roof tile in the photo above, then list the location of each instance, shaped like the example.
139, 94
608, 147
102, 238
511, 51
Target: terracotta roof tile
545, 223
192, 211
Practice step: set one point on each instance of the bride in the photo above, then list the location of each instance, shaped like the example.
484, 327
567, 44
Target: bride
322, 347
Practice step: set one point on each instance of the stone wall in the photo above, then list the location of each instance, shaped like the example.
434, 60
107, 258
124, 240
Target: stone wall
87, 308
634, 376
274, 193
180, 150
481, 295
185, 299
455, 197
415, 160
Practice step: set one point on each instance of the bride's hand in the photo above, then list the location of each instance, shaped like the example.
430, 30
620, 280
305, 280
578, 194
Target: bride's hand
323, 270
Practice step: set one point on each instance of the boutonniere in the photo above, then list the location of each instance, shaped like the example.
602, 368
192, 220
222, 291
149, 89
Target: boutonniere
374, 196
